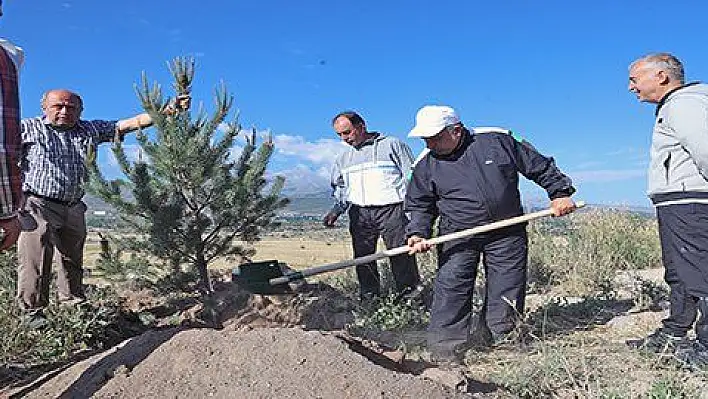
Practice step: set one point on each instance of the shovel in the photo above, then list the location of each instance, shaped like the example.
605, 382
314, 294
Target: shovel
268, 277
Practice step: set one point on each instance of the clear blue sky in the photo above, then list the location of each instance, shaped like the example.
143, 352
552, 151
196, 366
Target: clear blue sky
555, 71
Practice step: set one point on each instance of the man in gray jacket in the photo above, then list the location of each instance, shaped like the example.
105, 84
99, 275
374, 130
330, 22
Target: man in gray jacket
370, 180
678, 187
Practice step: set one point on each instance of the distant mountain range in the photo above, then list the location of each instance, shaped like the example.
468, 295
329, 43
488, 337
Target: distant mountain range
317, 203
301, 204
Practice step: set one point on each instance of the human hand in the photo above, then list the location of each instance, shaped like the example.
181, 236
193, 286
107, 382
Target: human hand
329, 219
11, 231
562, 206
180, 103
417, 244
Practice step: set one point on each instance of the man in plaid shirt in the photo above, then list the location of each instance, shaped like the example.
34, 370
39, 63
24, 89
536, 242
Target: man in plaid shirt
11, 58
54, 150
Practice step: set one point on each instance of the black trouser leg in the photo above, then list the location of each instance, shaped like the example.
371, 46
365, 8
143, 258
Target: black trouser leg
702, 322
404, 266
364, 238
683, 233
451, 311
505, 260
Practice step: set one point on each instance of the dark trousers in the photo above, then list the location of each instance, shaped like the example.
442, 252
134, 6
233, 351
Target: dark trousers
366, 225
505, 259
683, 231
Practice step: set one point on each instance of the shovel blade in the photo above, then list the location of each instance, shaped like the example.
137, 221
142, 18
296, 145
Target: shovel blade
255, 277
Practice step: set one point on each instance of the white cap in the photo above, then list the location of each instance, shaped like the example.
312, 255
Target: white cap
432, 119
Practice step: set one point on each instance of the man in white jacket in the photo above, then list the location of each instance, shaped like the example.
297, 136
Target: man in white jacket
370, 181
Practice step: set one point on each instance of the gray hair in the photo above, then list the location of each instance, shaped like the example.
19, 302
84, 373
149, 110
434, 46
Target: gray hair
664, 62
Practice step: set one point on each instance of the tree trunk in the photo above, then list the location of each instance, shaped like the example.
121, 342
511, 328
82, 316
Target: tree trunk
204, 280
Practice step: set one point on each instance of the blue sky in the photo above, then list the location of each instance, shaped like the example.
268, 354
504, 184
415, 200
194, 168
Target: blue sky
554, 71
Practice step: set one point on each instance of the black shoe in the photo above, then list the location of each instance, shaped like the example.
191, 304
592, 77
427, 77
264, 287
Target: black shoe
504, 338
659, 341
481, 338
412, 296
368, 299
35, 319
447, 358
693, 357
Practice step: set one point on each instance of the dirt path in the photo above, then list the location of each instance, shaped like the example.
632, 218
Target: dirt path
246, 363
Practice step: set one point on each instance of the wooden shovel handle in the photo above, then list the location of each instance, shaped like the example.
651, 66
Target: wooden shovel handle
405, 248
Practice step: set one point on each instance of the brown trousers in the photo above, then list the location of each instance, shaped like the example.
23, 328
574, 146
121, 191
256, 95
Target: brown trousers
58, 226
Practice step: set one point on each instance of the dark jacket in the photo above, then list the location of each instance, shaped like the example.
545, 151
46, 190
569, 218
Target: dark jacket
478, 183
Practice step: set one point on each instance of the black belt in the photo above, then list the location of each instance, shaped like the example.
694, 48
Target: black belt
54, 200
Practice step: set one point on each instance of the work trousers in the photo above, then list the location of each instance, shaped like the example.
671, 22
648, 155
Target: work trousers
683, 232
366, 225
58, 225
505, 259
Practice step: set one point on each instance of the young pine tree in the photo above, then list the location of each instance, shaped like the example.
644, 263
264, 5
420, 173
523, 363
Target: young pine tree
187, 201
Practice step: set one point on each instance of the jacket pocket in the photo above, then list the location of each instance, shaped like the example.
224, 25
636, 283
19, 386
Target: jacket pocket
667, 164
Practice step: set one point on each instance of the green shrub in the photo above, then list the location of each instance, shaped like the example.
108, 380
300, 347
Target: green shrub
391, 314
99, 323
669, 389
648, 295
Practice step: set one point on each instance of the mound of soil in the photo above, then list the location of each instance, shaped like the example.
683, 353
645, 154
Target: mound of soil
246, 363
264, 346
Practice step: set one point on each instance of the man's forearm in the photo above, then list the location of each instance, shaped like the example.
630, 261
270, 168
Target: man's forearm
134, 123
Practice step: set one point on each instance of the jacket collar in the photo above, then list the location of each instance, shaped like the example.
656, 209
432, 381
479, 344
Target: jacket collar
465, 140
668, 94
374, 137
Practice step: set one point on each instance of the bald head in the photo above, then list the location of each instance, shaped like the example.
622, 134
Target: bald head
62, 108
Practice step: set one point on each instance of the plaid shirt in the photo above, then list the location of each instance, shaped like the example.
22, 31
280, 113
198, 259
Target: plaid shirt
9, 130
53, 161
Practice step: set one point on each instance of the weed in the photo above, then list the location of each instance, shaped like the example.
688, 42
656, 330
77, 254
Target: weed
99, 323
648, 295
391, 314
668, 389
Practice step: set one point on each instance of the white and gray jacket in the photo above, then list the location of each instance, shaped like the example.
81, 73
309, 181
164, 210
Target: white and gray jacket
678, 170
372, 174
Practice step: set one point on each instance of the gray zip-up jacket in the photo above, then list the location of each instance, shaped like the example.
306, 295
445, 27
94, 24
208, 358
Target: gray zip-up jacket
678, 169
372, 174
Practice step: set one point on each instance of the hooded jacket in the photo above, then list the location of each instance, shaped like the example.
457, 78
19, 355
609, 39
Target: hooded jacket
678, 169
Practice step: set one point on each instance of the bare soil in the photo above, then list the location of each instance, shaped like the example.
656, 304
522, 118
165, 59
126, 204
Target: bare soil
289, 346
255, 363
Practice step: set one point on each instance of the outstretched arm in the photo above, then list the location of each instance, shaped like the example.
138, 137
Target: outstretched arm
145, 120
137, 122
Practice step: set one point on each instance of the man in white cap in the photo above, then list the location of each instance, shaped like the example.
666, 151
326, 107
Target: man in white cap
469, 179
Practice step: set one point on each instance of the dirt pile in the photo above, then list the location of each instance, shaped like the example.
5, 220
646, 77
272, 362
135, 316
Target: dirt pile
245, 363
266, 346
